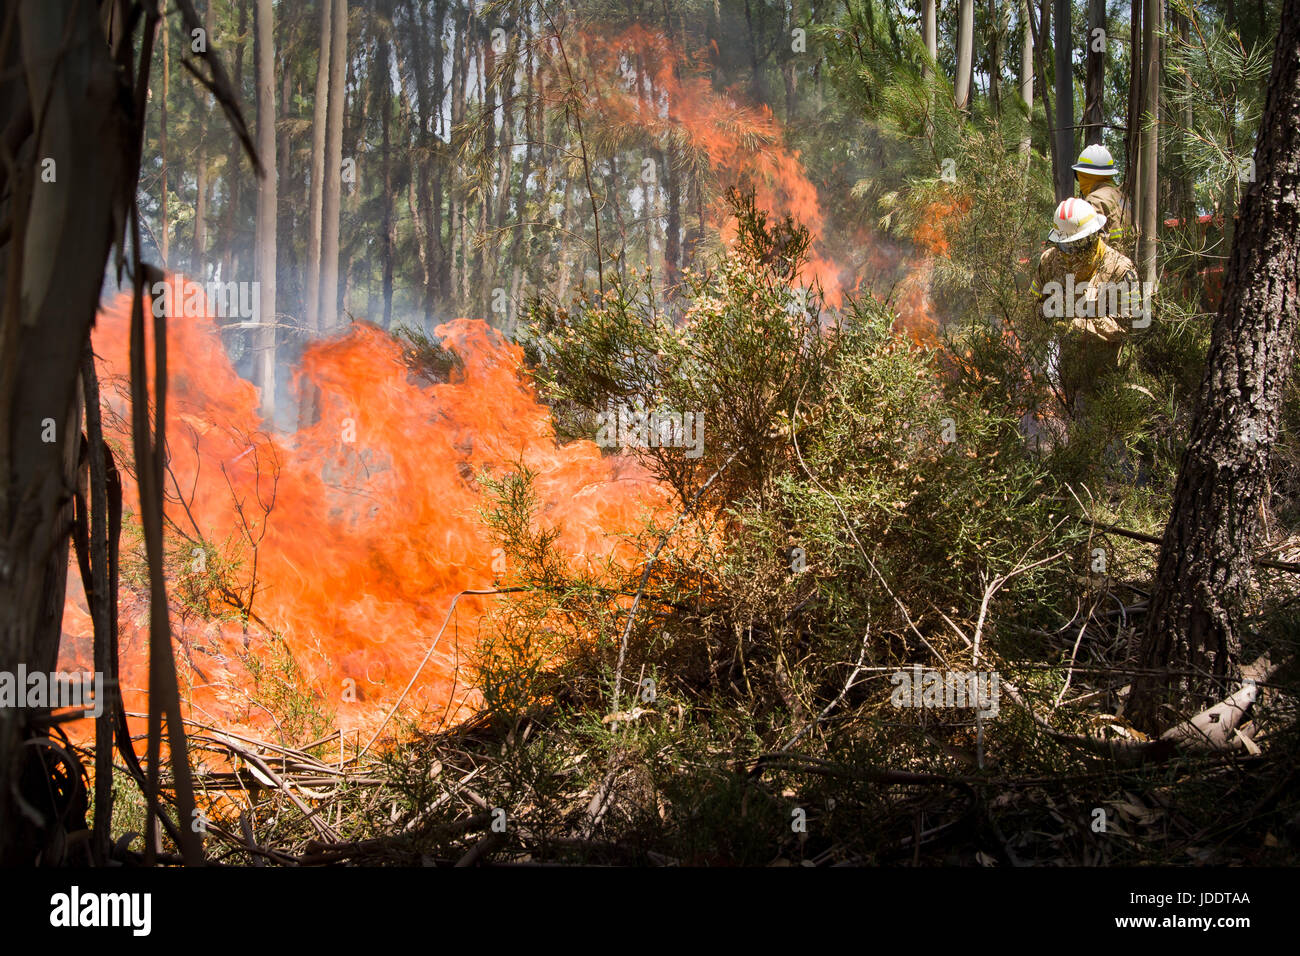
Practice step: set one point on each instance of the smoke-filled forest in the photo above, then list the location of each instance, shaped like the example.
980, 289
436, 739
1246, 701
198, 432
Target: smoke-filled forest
706, 433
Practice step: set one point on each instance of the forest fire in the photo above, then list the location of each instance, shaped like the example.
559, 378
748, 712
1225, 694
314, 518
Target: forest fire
660, 93
916, 311
580, 410
346, 542
322, 563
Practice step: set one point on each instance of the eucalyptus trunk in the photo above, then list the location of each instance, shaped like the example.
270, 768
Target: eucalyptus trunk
264, 44
332, 177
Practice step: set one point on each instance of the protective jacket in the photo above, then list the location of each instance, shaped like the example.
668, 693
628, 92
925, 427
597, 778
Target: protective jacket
1114, 205
1093, 307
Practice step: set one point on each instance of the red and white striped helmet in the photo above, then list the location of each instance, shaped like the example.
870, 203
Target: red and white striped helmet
1075, 219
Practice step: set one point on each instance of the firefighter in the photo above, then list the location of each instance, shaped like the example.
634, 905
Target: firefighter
1090, 294
1095, 173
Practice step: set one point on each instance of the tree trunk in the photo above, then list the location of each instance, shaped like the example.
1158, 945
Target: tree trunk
463, 253
421, 211
441, 175
384, 90
482, 286
757, 82
673, 224
965, 52
1186, 182
1152, 22
230, 216
59, 239
930, 36
264, 46
456, 207
521, 194
164, 239
1064, 103
1095, 77
1133, 121
789, 12
1203, 575
1027, 76
315, 197
1000, 21
332, 178
198, 259
1040, 39
286, 207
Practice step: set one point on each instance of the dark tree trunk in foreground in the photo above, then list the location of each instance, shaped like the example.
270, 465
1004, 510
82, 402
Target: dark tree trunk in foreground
63, 227
1204, 570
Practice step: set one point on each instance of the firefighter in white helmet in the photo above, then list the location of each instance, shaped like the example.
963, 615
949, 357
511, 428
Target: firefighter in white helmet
1090, 294
1096, 175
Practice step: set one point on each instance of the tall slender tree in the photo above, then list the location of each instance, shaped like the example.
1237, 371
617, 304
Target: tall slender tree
164, 232
1133, 115
315, 197
1027, 73
1064, 135
930, 34
201, 184
231, 223
264, 46
999, 24
383, 89
1094, 114
1152, 24
332, 177
965, 52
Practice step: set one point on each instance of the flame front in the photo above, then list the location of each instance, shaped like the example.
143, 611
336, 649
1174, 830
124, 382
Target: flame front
354, 534
647, 87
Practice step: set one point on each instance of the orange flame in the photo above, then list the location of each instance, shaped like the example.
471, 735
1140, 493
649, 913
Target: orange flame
644, 84
363, 526
917, 315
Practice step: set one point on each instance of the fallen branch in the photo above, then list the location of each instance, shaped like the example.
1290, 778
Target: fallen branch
481, 849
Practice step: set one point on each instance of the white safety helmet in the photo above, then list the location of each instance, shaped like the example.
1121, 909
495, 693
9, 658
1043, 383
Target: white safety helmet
1075, 219
1096, 160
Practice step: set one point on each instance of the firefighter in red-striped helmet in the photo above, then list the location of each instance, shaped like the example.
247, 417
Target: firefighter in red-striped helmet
1090, 293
